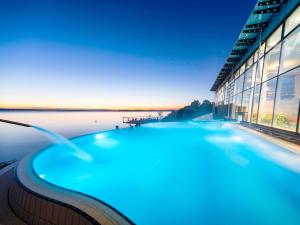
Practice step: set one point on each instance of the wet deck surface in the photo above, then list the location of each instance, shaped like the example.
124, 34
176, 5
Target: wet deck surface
7, 217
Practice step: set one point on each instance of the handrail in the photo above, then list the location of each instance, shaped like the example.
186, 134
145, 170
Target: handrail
15, 123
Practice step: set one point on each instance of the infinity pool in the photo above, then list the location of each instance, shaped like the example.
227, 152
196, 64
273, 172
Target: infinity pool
190, 173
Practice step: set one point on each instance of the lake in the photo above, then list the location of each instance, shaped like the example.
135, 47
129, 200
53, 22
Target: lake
16, 141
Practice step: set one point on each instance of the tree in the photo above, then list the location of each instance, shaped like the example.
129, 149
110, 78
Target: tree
195, 109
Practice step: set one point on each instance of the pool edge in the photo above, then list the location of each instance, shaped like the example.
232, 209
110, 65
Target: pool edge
290, 146
94, 210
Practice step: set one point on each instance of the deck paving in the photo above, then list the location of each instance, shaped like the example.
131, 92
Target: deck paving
7, 217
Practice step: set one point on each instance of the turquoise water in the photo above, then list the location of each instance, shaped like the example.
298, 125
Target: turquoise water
207, 173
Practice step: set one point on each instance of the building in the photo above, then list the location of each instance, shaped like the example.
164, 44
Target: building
260, 80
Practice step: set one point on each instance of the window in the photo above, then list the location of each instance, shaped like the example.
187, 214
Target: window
226, 93
256, 55
287, 101
239, 82
242, 69
237, 104
259, 71
290, 56
274, 38
255, 104
265, 114
271, 63
249, 77
253, 74
262, 49
249, 62
220, 96
292, 21
237, 73
246, 104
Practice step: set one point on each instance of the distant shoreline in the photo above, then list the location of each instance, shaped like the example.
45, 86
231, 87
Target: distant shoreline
84, 110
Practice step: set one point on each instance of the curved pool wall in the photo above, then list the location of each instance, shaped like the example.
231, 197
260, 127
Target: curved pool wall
36, 201
178, 173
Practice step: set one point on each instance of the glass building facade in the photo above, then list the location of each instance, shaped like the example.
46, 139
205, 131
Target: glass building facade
265, 89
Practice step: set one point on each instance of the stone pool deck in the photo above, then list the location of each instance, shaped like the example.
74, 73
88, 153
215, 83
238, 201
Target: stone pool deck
7, 216
275, 140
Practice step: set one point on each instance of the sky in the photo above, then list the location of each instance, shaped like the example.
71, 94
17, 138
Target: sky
114, 54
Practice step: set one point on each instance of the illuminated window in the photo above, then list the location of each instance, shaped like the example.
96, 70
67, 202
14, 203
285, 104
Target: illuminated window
246, 104
239, 82
237, 104
259, 71
255, 104
287, 101
249, 77
249, 62
274, 38
290, 56
262, 49
267, 96
242, 69
256, 55
237, 73
292, 21
271, 63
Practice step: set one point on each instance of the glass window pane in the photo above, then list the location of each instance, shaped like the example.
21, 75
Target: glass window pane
237, 73
256, 55
253, 74
271, 63
246, 108
239, 82
242, 69
287, 101
274, 38
262, 49
237, 104
265, 114
249, 62
259, 71
290, 56
255, 104
248, 78
292, 21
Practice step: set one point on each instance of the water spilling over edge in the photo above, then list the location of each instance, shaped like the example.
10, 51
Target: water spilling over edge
59, 139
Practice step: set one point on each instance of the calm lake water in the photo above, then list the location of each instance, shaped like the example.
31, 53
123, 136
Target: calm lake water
16, 141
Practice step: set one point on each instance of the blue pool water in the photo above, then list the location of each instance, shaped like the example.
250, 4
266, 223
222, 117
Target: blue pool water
207, 173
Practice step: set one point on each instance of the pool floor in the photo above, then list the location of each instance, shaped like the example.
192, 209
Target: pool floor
207, 173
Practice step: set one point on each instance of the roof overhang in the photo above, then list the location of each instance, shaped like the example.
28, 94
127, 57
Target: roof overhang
257, 22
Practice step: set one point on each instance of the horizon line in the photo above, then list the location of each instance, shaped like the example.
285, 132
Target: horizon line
86, 109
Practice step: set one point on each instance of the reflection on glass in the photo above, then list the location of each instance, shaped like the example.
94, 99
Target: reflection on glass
249, 62
255, 104
271, 63
242, 69
287, 101
292, 21
256, 55
259, 71
265, 114
237, 73
248, 78
246, 104
274, 38
239, 83
290, 56
237, 104
262, 49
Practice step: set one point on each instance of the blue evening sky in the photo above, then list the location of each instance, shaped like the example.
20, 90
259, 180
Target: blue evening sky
114, 53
